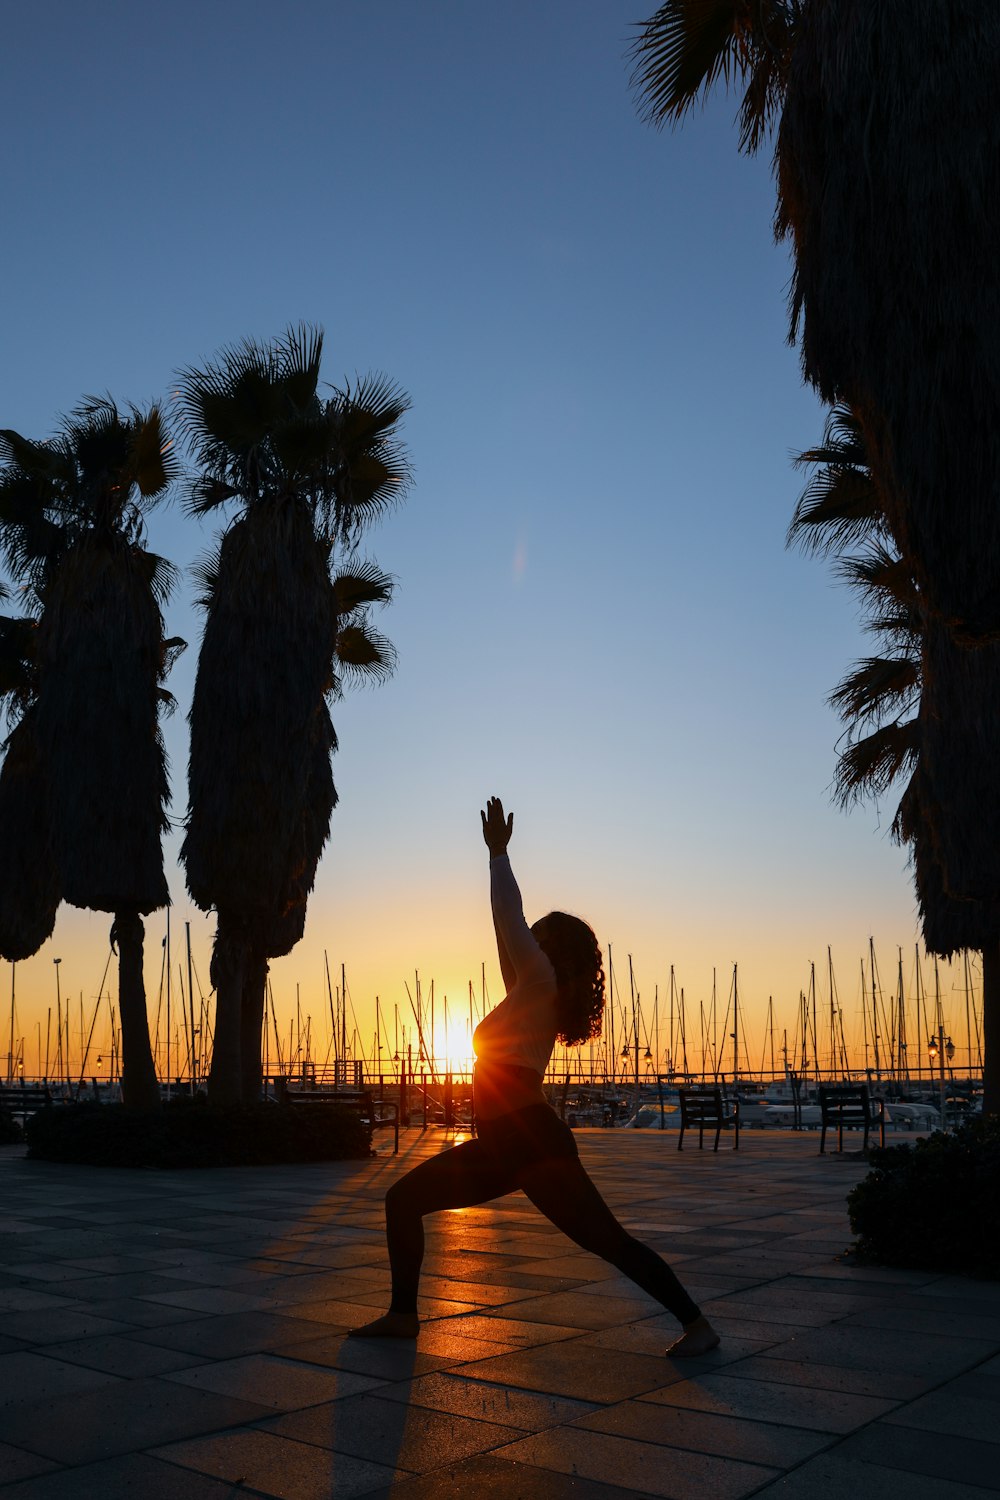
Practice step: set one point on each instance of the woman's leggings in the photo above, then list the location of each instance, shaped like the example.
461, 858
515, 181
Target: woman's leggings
530, 1149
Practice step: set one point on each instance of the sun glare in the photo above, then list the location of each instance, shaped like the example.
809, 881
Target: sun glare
453, 1047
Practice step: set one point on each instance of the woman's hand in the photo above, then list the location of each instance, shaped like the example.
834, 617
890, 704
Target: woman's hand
496, 828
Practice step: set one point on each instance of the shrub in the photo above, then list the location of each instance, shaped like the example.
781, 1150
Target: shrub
10, 1130
934, 1205
188, 1133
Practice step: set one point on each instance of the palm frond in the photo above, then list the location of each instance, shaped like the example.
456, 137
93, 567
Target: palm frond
841, 506
155, 463
203, 493
170, 650
869, 766
359, 586
204, 573
681, 51
302, 355
687, 46
880, 576
364, 655
877, 688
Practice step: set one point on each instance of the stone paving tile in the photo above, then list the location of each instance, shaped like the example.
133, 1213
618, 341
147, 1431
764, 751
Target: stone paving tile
942, 1321
123, 1356
132, 1477
114, 1265
704, 1432
213, 1299
46, 1271
753, 1330
231, 1334
878, 1275
831, 1476
484, 1294
134, 1284
331, 1311
405, 1437
492, 1478
972, 1461
653, 1470
936, 1356
774, 1312
265, 1463
797, 1291
892, 1384
960, 1286
573, 1310
497, 1328
383, 1359
16, 1464
654, 1334
83, 1427
26, 1377
528, 1410
966, 1408
564, 1369
526, 1281
282, 1384
30, 1299
51, 1327
762, 1401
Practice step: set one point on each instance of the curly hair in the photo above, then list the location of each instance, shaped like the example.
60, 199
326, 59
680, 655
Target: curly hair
574, 952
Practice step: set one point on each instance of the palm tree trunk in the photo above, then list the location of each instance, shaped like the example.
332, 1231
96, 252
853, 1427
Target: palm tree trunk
991, 1029
229, 963
140, 1090
254, 979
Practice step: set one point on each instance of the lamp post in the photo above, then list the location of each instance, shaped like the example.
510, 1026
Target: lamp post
59, 1056
939, 1048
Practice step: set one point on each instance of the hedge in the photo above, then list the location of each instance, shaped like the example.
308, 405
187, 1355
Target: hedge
933, 1205
189, 1133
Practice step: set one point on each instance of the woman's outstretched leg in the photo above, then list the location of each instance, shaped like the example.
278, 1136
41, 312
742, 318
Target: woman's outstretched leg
565, 1194
459, 1178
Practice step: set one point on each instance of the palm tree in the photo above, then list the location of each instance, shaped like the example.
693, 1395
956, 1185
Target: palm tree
886, 155
887, 138
884, 702
71, 518
307, 472
29, 880
689, 45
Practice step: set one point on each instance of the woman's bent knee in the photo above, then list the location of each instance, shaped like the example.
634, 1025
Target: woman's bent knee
397, 1200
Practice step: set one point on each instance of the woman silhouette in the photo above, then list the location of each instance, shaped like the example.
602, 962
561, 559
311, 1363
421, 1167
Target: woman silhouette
554, 978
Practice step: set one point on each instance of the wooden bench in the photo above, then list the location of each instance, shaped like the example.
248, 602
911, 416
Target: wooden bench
375, 1113
708, 1109
24, 1099
849, 1105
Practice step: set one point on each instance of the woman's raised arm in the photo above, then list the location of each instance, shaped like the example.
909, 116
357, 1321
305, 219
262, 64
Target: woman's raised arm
516, 946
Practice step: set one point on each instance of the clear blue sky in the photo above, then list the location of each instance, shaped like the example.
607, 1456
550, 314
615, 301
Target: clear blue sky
596, 616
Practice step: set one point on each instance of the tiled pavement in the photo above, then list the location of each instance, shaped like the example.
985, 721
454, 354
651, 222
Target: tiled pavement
180, 1336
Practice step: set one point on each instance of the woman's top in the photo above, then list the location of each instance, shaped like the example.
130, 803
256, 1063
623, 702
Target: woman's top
520, 1033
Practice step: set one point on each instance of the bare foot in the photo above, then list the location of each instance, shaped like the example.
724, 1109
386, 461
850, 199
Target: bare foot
390, 1326
698, 1338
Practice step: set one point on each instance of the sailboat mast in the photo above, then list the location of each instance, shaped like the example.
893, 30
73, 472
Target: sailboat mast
736, 1029
875, 1034
833, 1013
902, 1052
10, 1055
684, 1045
612, 1056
